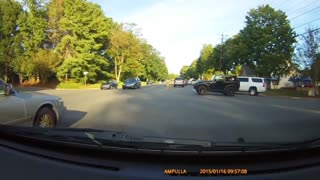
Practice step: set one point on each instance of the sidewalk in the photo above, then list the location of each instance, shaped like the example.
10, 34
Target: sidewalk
293, 97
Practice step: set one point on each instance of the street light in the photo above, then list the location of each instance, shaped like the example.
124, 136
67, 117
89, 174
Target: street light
85, 77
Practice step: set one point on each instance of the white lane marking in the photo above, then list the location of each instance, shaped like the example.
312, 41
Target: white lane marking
296, 109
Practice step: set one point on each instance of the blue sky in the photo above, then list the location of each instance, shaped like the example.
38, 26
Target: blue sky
179, 28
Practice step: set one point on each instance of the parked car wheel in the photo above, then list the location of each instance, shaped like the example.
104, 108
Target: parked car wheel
202, 90
45, 118
253, 91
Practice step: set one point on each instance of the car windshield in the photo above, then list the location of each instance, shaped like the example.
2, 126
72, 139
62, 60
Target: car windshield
131, 80
208, 71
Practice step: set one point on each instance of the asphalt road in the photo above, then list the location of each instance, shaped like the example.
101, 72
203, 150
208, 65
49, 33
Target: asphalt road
181, 113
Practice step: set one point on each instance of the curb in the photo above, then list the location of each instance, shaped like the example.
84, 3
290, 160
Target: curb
293, 97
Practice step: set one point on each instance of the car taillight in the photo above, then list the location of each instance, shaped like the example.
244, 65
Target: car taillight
264, 84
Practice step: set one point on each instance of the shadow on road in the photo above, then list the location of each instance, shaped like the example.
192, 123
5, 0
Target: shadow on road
70, 117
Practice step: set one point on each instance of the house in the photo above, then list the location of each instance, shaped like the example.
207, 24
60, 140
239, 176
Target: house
273, 83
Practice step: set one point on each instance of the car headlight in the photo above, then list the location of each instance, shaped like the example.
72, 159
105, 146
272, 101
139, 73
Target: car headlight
59, 102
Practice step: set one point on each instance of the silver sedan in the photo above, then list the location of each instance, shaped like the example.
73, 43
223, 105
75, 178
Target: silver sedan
37, 110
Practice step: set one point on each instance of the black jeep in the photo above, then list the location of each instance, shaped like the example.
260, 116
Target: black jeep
227, 85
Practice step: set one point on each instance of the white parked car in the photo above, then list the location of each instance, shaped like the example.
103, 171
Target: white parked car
253, 85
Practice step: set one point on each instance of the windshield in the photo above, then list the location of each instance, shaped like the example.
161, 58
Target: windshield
59, 55
131, 80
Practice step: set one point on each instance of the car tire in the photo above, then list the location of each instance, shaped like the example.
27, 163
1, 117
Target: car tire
253, 91
45, 118
202, 90
230, 91
174, 85
183, 86
123, 88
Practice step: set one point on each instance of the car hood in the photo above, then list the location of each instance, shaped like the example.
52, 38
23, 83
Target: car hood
30, 96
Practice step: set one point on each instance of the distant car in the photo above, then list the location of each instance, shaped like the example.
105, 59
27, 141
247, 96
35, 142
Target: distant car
179, 81
30, 109
307, 83
252, 85
132, 83
109, 85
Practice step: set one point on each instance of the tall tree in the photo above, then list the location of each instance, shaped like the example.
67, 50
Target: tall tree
123, 48
85, 32
309, 54
9, 44
32, 33
184, 70
270, 41
203, 61
55, 13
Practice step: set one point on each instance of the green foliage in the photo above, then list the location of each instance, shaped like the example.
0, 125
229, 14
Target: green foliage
269, 39
266, 44
203, 62
9, 44
172, 76
84, 30
45, 63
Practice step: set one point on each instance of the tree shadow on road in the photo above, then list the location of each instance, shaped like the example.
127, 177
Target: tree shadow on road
70, 117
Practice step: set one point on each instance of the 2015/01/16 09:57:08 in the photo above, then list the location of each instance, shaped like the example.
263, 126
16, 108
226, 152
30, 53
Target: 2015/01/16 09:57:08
223, 171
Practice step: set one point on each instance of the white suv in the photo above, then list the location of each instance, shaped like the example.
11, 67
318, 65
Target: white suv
179, 81
253, 85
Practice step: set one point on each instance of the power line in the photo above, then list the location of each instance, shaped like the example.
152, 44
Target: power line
307, 23
314, 30
305, 12
297, 10
293, 5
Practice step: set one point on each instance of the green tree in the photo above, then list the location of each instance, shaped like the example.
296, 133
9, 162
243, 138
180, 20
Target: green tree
203, 62
184, 70
85, 32
172, 76
45, 63
124, 49
269, 40
55, 13
9, 44
309, 54
32, 25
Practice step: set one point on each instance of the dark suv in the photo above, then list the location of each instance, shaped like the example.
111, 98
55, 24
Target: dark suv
227, 85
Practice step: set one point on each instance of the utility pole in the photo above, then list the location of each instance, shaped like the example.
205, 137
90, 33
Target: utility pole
221, 52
